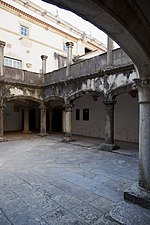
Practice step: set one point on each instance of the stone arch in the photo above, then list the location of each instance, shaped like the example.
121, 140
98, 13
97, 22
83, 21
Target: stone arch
122, 27
23, 97
53, 97
123, 89
82, 93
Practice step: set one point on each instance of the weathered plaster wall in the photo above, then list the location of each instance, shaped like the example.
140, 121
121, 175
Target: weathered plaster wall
13, 74
126, 118
95, 126
12, 119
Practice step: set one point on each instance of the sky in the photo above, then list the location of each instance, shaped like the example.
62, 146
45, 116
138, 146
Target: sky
74, 20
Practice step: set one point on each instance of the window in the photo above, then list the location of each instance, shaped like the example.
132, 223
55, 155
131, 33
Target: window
12, 62
77, 114
24, 30
86, 114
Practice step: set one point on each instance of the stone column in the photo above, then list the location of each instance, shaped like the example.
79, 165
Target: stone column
2, 44
44, 58
109, 127
42, 120
109, 51
68, 123
140, 193
69, 56
2, 105
26, 121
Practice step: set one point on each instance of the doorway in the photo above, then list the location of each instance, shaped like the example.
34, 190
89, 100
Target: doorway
57, 119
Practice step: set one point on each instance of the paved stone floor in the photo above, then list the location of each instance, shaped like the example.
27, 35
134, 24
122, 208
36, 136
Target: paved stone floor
44, 181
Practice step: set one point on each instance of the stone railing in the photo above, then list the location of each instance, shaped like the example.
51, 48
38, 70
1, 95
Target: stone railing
22, 76
92, 66
89, 67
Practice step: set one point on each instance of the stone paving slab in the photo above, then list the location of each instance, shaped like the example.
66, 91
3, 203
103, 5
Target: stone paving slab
130, 214
44, 181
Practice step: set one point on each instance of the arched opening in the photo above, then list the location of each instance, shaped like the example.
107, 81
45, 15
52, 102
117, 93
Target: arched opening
54, 115
21, 115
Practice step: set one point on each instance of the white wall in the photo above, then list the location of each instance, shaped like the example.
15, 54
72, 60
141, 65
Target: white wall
12, 120
126, 118
95, 126
41, 41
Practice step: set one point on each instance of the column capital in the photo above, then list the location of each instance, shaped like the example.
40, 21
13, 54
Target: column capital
2, 44
109, 102
69, 44
140, 82
68, 107
42, 107
44, 57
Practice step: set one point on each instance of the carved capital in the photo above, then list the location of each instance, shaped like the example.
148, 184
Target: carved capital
109, 102
44, 57
2, 44
68, 107
69, 44
145, 81
42, 107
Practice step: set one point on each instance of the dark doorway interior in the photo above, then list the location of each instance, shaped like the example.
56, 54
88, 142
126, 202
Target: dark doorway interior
57, 119
32, 120
47, 121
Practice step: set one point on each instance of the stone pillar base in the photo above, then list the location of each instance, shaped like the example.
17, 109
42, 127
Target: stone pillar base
26, 131
43, 134
67, 139
2, 139
108, 147
138, 195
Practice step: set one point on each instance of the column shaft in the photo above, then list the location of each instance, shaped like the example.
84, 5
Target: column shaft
109, 127
26, 121
69, 57
2, 44
144, 137
68, 123
139, 193
44, 58
43, 120
109, 123
109, 51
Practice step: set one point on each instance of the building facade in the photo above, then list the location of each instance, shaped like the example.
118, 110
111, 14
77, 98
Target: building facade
31, 32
